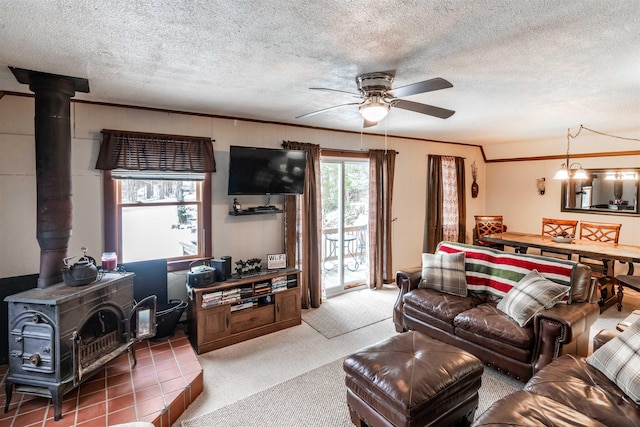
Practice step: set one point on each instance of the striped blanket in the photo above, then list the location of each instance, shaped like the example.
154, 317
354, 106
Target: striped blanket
492, 271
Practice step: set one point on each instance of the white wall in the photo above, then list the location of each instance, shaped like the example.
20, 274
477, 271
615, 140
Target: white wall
512, 192
239, 237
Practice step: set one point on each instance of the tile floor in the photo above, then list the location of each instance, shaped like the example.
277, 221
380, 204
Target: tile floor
165, 380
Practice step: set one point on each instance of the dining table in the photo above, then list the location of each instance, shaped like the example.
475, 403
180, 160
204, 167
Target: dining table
603, 251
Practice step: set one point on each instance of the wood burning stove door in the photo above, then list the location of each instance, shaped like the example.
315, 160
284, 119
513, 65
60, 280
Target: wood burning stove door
93, 353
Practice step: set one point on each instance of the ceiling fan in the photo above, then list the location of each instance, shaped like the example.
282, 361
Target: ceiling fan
378, 97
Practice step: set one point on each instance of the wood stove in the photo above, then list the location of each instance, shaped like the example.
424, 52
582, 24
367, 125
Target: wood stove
60, 335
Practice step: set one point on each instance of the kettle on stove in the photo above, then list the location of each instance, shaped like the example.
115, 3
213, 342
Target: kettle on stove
83, 272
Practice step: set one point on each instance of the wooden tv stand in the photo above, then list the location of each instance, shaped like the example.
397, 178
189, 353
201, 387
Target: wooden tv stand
271, 302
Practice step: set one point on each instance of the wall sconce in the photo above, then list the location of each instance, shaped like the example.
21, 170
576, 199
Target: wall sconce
540, 185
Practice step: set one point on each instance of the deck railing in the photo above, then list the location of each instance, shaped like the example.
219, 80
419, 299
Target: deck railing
355, 246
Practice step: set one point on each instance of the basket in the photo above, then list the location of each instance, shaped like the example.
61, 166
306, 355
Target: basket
167, 317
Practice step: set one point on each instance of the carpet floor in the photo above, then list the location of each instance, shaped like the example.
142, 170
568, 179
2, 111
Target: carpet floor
350, 311
315, 398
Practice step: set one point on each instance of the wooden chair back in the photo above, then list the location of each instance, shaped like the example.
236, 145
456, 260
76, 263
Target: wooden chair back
488, 224
601, 270
554, 227
600, 231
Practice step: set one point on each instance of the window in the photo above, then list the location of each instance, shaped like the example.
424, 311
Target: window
154, 219
157, 197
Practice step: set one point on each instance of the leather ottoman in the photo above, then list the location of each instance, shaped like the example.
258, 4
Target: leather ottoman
412, 380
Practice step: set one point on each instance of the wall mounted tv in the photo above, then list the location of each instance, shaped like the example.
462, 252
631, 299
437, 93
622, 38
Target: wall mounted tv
257, 171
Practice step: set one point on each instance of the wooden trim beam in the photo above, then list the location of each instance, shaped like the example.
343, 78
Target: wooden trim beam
564, 156
268, 122
215, 116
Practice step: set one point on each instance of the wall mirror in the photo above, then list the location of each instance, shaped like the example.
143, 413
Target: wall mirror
605, 191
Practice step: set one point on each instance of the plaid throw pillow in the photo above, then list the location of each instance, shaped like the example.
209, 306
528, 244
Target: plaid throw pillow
533, 293
444, 273
619, 360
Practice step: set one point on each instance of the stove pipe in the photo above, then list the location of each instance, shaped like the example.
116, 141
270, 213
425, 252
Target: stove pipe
53, 166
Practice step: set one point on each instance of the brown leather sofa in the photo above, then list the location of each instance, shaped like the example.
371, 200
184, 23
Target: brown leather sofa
567, 392
474, 323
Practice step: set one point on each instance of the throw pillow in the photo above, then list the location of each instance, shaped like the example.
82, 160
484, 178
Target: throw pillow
533, 293
445, 273
619, 360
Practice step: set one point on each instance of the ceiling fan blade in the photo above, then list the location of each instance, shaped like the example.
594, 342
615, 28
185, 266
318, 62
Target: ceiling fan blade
337, 90
442, 113
420, 87
313, 113
368, 124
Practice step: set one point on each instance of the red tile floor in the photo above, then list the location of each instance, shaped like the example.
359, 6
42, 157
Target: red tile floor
166, 379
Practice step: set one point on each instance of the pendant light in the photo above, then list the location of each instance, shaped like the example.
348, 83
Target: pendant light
566, 172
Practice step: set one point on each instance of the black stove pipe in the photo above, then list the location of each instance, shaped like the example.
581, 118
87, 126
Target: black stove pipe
53, 166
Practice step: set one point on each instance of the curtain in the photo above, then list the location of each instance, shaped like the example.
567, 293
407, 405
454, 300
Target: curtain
149, 151
445, 210
303, 227
381, 172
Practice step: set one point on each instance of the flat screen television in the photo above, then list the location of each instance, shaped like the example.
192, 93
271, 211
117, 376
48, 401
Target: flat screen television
258, 171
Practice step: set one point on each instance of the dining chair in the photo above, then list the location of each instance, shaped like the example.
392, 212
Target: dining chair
600, 231
554, 227
602, 271
485, 225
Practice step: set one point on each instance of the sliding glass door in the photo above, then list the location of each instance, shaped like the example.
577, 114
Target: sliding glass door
345, 218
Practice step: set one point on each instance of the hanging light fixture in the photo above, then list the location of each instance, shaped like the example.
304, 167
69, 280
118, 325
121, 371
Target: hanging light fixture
566, 172
580, 173
562, 173
374, 110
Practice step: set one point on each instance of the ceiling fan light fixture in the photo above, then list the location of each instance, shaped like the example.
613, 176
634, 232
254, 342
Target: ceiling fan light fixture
374, 111
378, 97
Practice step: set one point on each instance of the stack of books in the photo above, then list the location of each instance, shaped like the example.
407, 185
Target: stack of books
211, 298
246, 292
278, 284
230, 295
245, 304
220, 297
262, 288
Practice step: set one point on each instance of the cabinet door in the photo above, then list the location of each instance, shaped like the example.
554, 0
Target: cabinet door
214, 323
287, 305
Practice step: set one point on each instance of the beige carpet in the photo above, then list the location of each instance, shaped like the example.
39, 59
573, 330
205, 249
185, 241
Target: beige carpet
350, 311
315, 398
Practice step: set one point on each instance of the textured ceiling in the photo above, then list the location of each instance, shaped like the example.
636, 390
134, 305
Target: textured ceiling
522, 71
